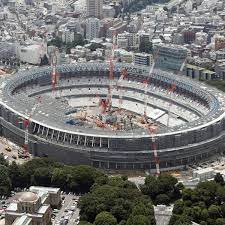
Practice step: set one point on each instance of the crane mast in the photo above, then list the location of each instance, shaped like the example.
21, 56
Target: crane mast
111, 74
146, 83
171, 90
54, 73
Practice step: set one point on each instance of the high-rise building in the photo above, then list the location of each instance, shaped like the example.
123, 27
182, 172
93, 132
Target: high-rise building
94, 8
92, 28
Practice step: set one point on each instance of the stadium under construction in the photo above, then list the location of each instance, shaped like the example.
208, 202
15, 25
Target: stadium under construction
112, 117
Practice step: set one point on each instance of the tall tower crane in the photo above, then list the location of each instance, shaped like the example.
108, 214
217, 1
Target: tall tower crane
111, 74
54, 76
171, 90
146, 83
26, 123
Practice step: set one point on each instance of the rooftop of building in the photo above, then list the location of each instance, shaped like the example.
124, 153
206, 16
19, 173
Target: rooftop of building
23, 220
45, 189
28, 197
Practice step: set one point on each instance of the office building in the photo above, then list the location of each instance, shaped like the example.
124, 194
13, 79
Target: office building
170, 57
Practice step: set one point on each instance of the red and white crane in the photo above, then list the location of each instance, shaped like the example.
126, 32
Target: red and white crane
26, 123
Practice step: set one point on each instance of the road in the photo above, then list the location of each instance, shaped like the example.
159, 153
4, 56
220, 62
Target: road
10, 154
69, 201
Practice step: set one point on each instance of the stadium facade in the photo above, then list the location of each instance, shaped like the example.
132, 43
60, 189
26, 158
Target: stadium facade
197, 121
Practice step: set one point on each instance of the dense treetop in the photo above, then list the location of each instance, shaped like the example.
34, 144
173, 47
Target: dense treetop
117, 201
204, 205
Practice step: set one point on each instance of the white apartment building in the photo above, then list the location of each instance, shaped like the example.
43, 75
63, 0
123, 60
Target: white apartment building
92, 28
67, 36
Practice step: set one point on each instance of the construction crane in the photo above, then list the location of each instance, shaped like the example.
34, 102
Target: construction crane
54, 76
26, 123
120, 86
152, 128
111, 74
146, 83
171, 90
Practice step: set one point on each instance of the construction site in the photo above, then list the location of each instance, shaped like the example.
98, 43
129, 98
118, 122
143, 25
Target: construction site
112, 115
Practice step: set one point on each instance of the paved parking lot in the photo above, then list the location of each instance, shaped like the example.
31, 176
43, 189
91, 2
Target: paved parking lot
69, 211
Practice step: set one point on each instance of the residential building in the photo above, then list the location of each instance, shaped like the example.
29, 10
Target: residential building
92, 28
108, 11
95, 8
143, 59
68, 36
123, 55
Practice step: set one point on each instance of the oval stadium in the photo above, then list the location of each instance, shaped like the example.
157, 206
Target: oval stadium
71, 124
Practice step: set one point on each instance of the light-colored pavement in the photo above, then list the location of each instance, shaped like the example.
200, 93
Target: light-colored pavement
13, 154
68, 211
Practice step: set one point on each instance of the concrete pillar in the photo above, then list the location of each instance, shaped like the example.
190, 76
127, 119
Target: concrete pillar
78, 139
71, 138
53, 131
85, 140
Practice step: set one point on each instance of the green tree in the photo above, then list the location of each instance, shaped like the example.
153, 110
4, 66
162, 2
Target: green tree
95, 46
220, 194
138, 220
15, 175
57, 41
44, 60
105, 218
214, 211
122, 222
203, 223
178, 207
5, 182
204, 214
164, 184
3, 161
219, 179
78, 40
162, 199
196, 213
145, 46
59, 178
84, 223
42, 176
220, 221
183, 220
